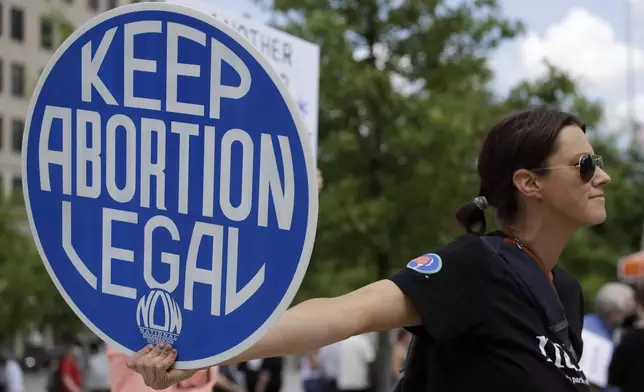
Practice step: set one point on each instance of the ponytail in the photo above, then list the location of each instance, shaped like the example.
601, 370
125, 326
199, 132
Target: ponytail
472, 214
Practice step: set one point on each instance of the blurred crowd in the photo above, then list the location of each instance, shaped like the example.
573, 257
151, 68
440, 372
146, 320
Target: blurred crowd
613, 359
346, 366
613, 335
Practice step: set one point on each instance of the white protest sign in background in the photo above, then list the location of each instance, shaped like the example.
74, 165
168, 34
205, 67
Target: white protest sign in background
295, 60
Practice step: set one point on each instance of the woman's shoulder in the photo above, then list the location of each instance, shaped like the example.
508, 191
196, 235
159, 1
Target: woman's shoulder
463, 247
468, 250
462, 259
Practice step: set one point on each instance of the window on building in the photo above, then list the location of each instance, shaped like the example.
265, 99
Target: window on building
17, 24
112, 4
17, 80
1, 132
18, 126
46, 33
1, 17
16, 184
93, 5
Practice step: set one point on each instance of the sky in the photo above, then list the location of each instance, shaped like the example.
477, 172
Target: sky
587, 38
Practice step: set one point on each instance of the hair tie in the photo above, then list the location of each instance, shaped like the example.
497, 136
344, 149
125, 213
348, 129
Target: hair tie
481, 202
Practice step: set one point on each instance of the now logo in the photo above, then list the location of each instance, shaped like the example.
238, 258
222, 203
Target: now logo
147, 317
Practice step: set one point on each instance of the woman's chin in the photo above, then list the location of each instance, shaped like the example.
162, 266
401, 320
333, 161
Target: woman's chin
596, 217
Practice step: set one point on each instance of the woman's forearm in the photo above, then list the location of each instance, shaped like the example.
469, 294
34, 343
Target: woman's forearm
316, 323
312, 324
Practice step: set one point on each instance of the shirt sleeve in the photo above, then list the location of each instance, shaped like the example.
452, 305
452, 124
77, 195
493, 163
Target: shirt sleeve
448, 287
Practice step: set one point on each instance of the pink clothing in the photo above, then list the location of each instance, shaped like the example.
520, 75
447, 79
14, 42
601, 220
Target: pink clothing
122, 379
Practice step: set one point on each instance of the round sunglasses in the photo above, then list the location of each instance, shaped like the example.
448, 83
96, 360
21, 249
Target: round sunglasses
587, 165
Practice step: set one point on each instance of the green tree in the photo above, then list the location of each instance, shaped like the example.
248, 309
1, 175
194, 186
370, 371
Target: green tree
29, 298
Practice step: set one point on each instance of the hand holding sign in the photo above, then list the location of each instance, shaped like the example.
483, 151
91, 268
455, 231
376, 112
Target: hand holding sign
154, 365
170, 183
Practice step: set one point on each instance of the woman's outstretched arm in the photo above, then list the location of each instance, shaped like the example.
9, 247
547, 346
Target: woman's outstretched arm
312, 324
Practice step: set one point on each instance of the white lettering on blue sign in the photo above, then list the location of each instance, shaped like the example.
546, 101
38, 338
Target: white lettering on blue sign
270, 186
169, 183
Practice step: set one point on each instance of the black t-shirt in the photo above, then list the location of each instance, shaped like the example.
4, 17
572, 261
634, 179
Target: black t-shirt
483, 333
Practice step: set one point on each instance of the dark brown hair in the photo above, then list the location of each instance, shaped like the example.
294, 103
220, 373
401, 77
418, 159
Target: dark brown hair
522, 140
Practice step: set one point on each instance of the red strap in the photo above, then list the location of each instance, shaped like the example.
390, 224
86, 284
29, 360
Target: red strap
533, 256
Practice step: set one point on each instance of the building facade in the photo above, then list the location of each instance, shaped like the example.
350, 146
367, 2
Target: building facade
30, 32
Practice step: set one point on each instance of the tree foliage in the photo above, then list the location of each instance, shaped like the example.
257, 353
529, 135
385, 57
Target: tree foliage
29, 298
405, 101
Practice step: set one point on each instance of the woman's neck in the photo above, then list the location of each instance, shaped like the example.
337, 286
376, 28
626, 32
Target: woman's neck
546, 242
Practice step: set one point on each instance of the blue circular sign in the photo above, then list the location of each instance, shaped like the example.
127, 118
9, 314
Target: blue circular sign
169, 183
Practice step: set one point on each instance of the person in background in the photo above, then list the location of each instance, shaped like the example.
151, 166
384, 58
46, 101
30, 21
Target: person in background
399, 353
69, 367
270, 375
311, 372
98, 375
614, 303
263, 375
319, 369
356, 355
329, 359
11, 379
226, 381
626, 369
122, 379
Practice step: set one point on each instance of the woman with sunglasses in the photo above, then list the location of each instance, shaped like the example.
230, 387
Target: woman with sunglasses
491, 311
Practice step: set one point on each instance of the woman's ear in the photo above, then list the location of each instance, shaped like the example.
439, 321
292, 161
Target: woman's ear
527, 183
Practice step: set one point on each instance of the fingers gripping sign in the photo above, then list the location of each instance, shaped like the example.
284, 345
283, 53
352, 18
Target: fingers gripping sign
154, 363
163, 211
134, 361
